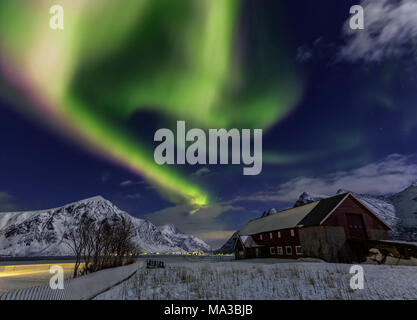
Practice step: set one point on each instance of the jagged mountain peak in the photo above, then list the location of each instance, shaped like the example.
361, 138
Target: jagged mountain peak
341, 191
92, 200
269, 212
307, 197
412, 186
405, 203
95, 198
229, 245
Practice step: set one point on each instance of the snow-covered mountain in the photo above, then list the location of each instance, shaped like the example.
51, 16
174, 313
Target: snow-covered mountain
229, 245
405, 204
44, 232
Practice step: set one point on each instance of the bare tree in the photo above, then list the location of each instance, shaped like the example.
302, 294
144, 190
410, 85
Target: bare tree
103, 245
98, 244
123, 244
75, 242
87, 231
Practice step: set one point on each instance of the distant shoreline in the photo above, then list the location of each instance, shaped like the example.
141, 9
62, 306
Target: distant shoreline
72, 258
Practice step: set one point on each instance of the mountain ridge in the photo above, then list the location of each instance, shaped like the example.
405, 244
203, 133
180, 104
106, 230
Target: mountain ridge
45, 232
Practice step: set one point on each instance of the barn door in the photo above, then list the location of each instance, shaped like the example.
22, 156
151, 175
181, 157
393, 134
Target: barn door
356, 226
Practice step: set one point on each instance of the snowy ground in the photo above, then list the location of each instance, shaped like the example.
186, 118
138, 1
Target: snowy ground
17, 274
257, 280
20, 276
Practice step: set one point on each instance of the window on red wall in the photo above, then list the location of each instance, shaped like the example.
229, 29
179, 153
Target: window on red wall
260, 237
272, 250
270, 235
288, 250
279, 234
292, 233
279, 251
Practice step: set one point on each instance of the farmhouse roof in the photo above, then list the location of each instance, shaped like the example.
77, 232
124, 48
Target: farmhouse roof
309, 214
322, 210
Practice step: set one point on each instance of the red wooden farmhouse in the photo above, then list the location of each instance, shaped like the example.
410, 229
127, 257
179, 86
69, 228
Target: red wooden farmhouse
324, 229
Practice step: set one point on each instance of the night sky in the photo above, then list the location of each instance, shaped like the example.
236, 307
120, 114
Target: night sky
79, 107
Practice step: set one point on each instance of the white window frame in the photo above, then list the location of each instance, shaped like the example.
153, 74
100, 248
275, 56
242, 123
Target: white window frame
272, 250
260, 236
280, 252
279, 234
270, 235
286, 252
292, 232
296, 250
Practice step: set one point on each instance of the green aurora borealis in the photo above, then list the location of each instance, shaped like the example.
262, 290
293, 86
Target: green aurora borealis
181, 59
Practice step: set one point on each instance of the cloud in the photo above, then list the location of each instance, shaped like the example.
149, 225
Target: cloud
320, 49
390, 30
304, 54
202, 172
390, 175
204, 224
129, 183
133, 196
6, 202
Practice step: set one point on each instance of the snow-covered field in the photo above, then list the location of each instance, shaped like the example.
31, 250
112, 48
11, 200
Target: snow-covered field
255, 280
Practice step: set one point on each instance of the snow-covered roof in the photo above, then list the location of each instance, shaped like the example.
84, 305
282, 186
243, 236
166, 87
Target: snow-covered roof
280, 220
